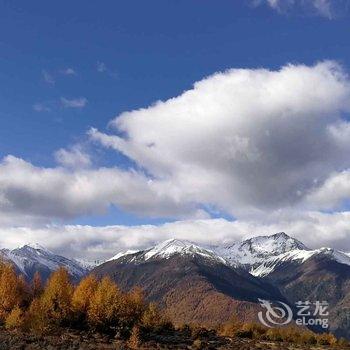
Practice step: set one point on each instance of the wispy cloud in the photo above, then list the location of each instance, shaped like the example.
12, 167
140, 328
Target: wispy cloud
48, 77
68, 71
41, 107
74, 157
325, 8
102, 68
79, 102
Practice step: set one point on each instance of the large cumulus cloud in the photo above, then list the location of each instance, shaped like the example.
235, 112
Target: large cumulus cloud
246, 141
269, 147
35, 194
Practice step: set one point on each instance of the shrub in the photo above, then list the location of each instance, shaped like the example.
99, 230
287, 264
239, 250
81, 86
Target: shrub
307, 338
153, 320
15, 319
253, 330
326, 339
244, 333
135, 339
343, 342
230, 328
274, 334
197, 344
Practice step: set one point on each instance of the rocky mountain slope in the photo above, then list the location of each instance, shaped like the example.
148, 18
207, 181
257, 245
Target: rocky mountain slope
300, 273
194, 284
209, 284
197, 283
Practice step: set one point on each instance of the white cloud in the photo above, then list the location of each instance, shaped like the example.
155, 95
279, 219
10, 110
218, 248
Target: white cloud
48, 78
74, 157
268, 147
40, 194
325, 8
332, 194
82, 241
246, 141
68, 71
101, 67
79, 102
41, 107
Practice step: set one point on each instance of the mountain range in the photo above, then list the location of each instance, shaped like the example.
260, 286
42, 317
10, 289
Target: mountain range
32, 258
210, 284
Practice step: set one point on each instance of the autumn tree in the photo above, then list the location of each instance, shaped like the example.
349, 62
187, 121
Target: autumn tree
106, 303
136, 303
10, 290
82, 297
37, 285
15, 318
36, 317
57, 297
152, 318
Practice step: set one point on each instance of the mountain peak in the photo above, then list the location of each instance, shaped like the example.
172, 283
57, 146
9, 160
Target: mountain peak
176, 246
35, 246
33, 257
282, 235
169, 248
255, 250
278, 243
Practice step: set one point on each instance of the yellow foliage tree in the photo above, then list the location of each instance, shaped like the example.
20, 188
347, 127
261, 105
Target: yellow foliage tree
82, 297
15, 319
57, 297
36, 318
152, 318
105, 306
37, 285
135, 305
10, 291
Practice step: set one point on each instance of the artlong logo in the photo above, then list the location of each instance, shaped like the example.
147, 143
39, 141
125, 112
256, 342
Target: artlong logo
308, 314
275, 315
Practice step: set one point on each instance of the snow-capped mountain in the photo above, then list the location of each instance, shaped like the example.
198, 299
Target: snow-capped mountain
298, 256
32, 257
254, 251
258, 255
193, 283
170, 248
261, 255
89, 264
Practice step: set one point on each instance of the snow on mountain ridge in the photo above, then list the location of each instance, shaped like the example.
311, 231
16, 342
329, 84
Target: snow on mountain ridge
170, 248
35, 246
124, 253
299, 256
33, 257
176, 246
254, 251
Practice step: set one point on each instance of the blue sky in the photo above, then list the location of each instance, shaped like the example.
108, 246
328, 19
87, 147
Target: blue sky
67, 67
157, 49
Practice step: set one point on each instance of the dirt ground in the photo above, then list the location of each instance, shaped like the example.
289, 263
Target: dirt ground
76, 340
